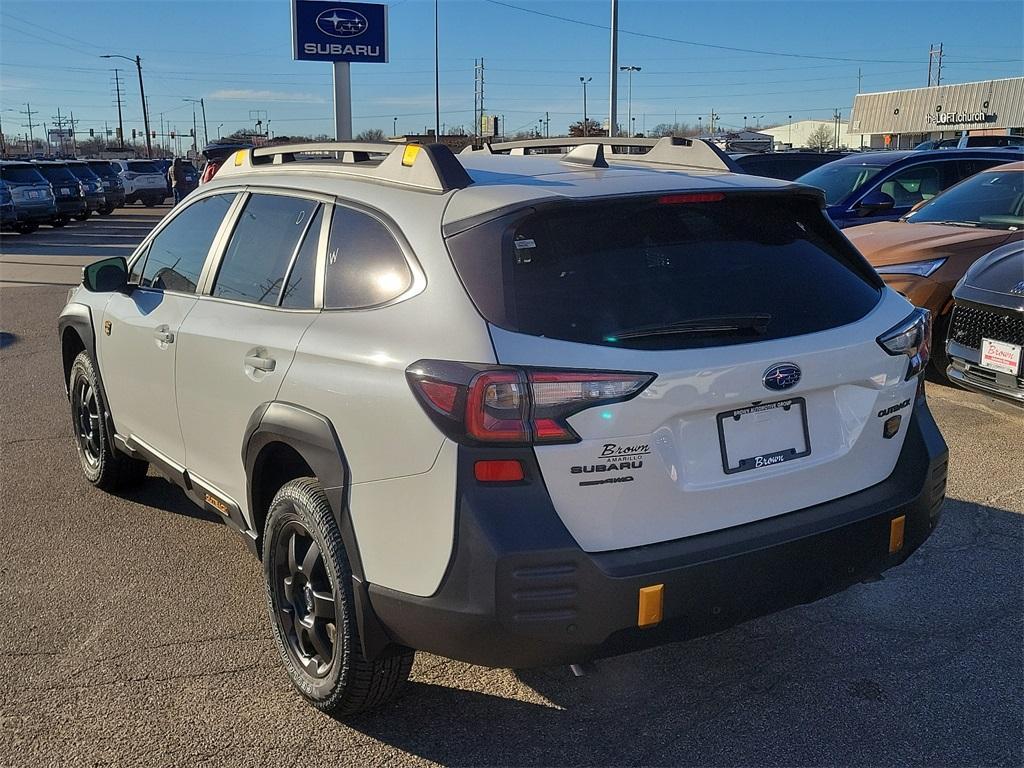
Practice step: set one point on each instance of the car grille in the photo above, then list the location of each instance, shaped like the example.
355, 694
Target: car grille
986, 378
971, 324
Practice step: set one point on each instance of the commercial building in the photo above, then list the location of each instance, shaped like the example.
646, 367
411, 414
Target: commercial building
903, 119
797, 135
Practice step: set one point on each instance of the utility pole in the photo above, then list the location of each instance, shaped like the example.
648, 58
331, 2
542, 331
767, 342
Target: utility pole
478, 96
206, 135
858, 79
629, 97
28, 112
585, 80
613, 72
547, 125
935, 53
74, 136
120, 120
142, 96
60, 131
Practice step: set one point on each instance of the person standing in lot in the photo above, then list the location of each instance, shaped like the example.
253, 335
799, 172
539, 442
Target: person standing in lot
176, 175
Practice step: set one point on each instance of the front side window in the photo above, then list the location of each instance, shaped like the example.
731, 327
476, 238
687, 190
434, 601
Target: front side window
365, 264
992, 199
176, 255
255, 264
920, 182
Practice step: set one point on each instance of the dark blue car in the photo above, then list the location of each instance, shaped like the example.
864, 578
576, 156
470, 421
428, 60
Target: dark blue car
883, 186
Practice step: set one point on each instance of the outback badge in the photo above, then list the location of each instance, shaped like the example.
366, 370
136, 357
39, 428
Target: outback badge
781, 376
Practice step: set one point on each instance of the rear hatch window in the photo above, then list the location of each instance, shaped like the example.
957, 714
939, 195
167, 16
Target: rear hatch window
142, 166
83, 172
20, 174
58, 174
678, 271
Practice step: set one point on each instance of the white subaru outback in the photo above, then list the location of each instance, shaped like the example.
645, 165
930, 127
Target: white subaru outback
510, 407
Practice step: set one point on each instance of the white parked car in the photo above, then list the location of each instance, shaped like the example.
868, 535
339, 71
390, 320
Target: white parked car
511, 410
143, 181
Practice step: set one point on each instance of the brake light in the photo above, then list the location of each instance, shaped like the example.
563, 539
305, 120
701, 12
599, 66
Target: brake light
477, 404
913, 338
691, 197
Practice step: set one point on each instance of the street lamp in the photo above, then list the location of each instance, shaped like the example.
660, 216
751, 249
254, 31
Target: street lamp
586, 80
790, 118
757, 123
202, 106
394, 126
218, 129
629, 97
142, 95
195, 129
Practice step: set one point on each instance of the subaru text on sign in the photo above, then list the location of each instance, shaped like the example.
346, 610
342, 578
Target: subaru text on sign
323, 30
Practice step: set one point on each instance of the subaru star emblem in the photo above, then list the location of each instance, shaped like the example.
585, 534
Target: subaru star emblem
342, 22
781, 376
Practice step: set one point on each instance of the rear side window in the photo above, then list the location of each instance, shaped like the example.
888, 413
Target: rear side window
142, 166
178, 252
365, 264
923, 181
262, 247
20, 174
666, 273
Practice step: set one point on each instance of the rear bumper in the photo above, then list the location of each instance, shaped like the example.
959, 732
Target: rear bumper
73, 206
34, 213
114, 198
519, 592
95, 202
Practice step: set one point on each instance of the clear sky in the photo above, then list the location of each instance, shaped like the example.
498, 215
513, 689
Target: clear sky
237, 56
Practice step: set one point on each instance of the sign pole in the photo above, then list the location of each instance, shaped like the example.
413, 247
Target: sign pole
342, 101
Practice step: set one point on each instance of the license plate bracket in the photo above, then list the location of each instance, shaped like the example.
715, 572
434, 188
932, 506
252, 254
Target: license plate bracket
1000, 356
763, 435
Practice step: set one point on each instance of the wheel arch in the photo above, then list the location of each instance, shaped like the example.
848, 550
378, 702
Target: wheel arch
78, 334
283, 438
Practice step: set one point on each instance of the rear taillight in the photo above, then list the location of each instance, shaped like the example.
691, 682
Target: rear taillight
913, 338
480, 404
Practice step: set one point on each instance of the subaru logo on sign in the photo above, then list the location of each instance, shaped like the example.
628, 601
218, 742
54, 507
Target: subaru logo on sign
342, 22
781, 376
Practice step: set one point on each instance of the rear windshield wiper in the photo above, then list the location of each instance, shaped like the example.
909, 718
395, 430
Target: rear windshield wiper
715, 324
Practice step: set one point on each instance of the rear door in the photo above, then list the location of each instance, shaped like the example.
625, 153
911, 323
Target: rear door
760, 325
238, 341
139, 342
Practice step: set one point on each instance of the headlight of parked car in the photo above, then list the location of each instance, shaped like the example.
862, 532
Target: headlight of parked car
922, 268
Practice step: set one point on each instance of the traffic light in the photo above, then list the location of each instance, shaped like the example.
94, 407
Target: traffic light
191, 131
154, 134
172, 134
92, 133
133, 134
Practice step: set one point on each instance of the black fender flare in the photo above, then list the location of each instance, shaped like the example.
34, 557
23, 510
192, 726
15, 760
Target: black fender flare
313, 437
78, 317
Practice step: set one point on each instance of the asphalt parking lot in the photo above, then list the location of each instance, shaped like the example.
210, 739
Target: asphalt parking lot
133, 630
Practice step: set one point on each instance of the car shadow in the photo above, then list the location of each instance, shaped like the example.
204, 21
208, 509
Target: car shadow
857, 678
160, 493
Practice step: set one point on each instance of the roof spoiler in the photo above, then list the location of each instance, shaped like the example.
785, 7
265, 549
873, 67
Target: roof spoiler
673, 151
430, 167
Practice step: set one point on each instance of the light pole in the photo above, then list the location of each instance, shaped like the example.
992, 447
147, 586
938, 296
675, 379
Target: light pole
585, 80
394, 126
195, 129
218, 129
142, 95
757, 123
629, 95
790, 119
700, 125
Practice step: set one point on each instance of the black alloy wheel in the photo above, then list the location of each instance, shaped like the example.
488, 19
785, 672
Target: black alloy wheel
305, 604
86, 414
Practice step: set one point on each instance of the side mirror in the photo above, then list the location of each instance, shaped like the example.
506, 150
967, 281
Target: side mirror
875, 202
106, 276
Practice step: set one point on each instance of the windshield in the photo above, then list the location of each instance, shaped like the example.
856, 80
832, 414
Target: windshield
58, 174
660, 274
839, 179
142, 166
83, 172
991, 199
20, 174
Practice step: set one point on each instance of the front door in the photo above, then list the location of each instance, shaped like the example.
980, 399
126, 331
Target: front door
237, 343
139, 336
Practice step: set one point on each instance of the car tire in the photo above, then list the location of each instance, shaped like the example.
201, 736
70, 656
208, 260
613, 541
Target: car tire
59, 222
310, 599
82, 216
26, 228
105, 211
102, 465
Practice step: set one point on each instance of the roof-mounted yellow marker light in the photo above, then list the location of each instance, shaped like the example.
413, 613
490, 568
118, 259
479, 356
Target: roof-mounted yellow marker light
239, 157
409, 155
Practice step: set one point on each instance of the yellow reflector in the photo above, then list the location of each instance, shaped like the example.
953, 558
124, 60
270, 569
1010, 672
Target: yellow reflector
651, 602
409, 156
896, 534
239, 157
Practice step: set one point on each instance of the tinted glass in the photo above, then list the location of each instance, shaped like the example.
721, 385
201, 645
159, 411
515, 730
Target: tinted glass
839, 179
177, 254
994, 200
298, 291
58, 174
916, 183
20, 174
261, 248
142, 166
106, 170
652, 275
82, 172
365, 265
971, 166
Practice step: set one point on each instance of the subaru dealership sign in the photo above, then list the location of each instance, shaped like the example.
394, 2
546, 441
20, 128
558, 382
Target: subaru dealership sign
327, 30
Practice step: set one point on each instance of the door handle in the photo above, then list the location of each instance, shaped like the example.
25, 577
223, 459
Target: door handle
261, 363
163, 335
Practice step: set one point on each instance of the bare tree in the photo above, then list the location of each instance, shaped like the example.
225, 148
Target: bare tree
593, 128
673, 129
821, 138
371, 134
